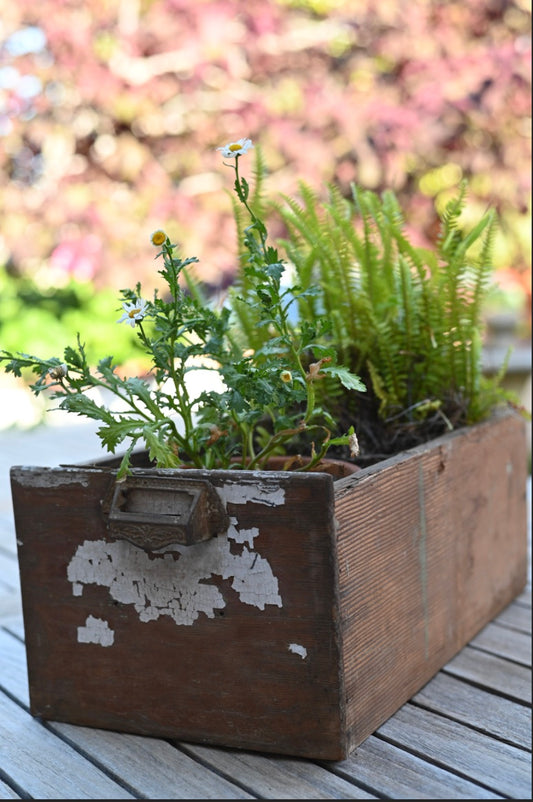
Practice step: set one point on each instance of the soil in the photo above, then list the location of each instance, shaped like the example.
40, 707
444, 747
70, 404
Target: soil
377, 440
380, 439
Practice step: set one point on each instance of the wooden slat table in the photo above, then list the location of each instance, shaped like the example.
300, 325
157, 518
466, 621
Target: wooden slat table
465, 735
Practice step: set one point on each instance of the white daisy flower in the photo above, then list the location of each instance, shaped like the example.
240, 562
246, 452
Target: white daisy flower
134, 312
238, 148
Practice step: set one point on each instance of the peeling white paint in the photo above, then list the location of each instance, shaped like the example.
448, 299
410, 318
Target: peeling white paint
176, 580
295, 648
260, 492
51, 478
242, 535
177, 587
96, 630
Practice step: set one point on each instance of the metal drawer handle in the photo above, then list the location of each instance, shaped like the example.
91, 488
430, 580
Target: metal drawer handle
152, 512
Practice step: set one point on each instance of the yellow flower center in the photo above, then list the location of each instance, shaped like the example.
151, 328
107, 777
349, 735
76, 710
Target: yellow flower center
133, 312
235, 147
158, 237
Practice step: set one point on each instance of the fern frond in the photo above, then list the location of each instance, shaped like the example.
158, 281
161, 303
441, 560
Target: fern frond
408, 317
484, 269
449, 219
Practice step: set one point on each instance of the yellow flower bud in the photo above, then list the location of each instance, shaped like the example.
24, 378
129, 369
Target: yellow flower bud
286, 376
158, 237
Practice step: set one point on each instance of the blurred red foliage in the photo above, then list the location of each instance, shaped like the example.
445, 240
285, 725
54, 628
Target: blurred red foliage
110, 114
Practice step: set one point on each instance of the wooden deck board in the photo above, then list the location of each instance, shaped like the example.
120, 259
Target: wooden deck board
45, 766
493, 764
465, 735
505, 642
477, 708
517, 615
493, 672
7, 793
155, 769
278, 777
395, 773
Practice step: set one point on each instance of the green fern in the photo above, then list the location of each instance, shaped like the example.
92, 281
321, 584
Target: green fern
408, 319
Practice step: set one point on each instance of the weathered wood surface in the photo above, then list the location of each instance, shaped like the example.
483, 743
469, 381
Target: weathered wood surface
465, 735
221, 642
431, 546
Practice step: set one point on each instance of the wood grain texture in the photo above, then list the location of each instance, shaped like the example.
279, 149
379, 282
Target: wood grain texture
507, 678
394, 773
156, 770
478, 708
517, 616
497, 766
505, 642
13, 668
432, 544
279, 777
44, 763
6, 792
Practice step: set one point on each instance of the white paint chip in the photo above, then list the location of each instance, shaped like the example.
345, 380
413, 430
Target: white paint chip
295, 648
96, 630
259, 493
242, 535
52, 478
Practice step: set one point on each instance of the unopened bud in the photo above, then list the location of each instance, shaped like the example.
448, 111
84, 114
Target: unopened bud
314, 369
58, 372
354, 445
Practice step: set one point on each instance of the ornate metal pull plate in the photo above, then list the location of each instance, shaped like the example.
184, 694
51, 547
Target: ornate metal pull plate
152, 512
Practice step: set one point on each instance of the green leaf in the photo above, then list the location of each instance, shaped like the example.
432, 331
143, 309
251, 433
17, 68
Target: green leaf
86, 407
73, 357
275, 270
159, 450
347, 379
125, 465
138, 387
118, 430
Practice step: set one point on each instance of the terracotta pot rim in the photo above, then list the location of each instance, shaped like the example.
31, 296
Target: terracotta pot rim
338, 468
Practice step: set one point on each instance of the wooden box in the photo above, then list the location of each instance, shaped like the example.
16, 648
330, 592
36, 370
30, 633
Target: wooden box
310, 617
